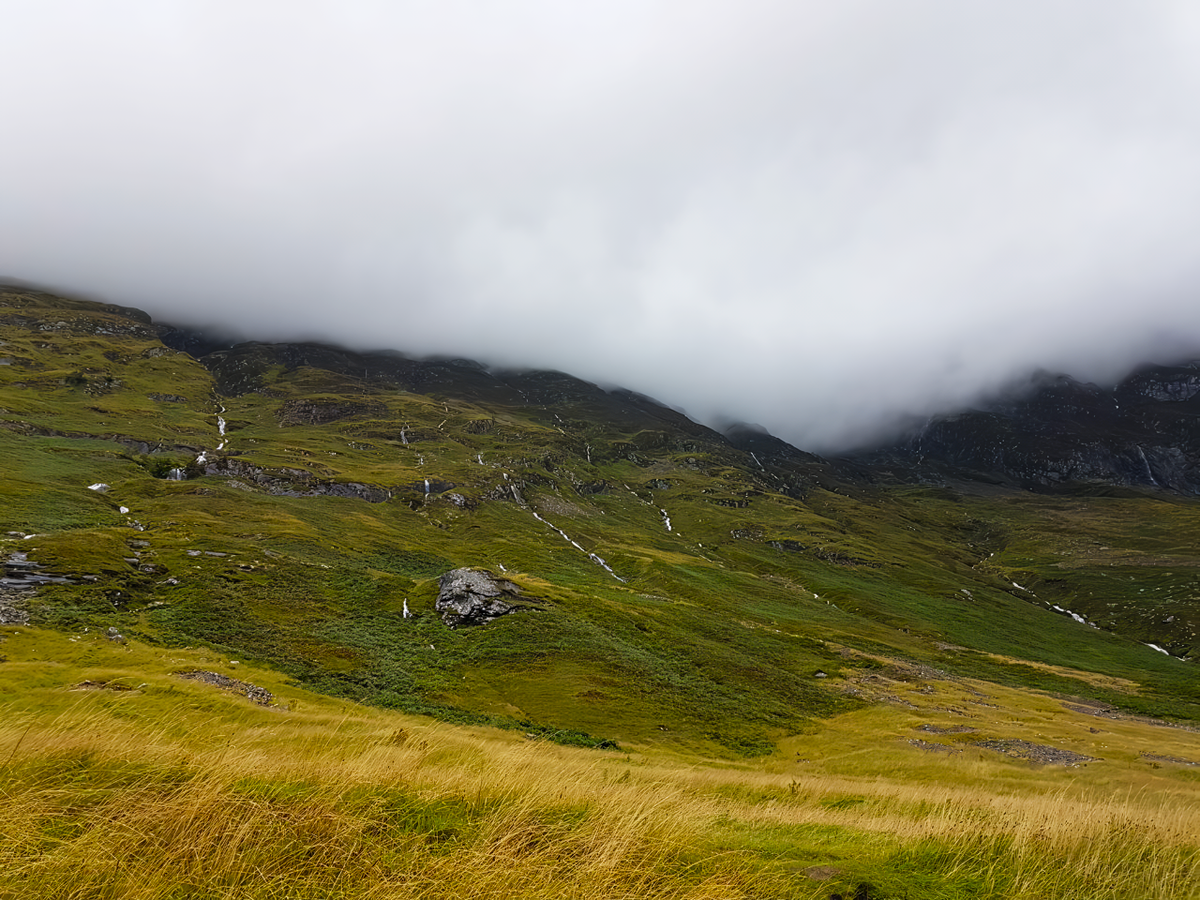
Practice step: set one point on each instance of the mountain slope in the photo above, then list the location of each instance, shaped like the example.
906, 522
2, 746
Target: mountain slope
288, 503
1144, 431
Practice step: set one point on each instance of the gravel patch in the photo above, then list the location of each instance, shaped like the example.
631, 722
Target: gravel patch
945, 729
1043, 754
1154, 757
929, 747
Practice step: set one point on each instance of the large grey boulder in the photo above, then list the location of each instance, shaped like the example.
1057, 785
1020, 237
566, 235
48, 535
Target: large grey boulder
475, 596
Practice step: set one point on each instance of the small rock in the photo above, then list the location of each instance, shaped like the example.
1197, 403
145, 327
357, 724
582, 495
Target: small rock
113, 635
102, 685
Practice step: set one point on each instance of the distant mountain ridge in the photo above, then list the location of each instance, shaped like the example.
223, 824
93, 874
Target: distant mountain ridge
1143, 432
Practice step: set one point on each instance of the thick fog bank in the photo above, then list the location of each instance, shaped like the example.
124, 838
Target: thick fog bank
830, 219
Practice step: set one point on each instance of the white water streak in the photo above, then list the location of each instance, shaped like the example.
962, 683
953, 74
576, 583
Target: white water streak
592, 556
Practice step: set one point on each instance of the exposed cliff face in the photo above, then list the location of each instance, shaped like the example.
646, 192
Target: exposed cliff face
1143, 432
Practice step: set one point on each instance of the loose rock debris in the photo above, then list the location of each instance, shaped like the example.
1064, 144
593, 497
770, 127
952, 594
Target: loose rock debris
945, 729
929, 747
1105, 711
1155, 757
253, 692
1036, 753
89, 685
1041, 754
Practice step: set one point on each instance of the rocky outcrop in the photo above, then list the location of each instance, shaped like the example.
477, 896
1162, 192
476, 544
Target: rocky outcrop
133, 444
28, 307
1040, 754
20, 572
288, 482
475, 596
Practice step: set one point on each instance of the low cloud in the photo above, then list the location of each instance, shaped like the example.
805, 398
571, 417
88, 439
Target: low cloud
824, 218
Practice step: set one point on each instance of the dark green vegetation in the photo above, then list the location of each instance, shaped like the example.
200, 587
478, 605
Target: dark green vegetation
348, 483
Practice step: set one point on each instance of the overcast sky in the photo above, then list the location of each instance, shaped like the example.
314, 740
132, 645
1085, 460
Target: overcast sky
823, 217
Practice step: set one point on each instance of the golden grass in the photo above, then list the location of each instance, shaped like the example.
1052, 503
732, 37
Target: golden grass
176, 790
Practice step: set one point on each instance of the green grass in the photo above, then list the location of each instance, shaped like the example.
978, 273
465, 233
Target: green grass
712, 635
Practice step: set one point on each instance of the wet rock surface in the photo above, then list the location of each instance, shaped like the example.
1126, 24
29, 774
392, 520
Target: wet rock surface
475, 596
1176, 760
21, 573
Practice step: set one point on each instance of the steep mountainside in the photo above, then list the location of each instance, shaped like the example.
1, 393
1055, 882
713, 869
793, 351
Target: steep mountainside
650, 579
1143, 432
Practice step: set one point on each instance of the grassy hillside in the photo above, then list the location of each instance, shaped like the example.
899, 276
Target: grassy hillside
736, 669
124, 778
691, 592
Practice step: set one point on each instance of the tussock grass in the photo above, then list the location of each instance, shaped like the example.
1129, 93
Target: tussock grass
173, 789
339, 811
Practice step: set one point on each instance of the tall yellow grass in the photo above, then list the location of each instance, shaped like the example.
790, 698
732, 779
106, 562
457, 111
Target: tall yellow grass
105, 801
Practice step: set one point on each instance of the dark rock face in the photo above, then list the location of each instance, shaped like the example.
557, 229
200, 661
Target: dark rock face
1145, 432
474, 596
757, 440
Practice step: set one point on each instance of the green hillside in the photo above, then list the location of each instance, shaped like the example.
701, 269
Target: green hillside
774, 675
342, 493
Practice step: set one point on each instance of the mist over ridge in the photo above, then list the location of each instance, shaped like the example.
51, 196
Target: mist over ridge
830, 222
